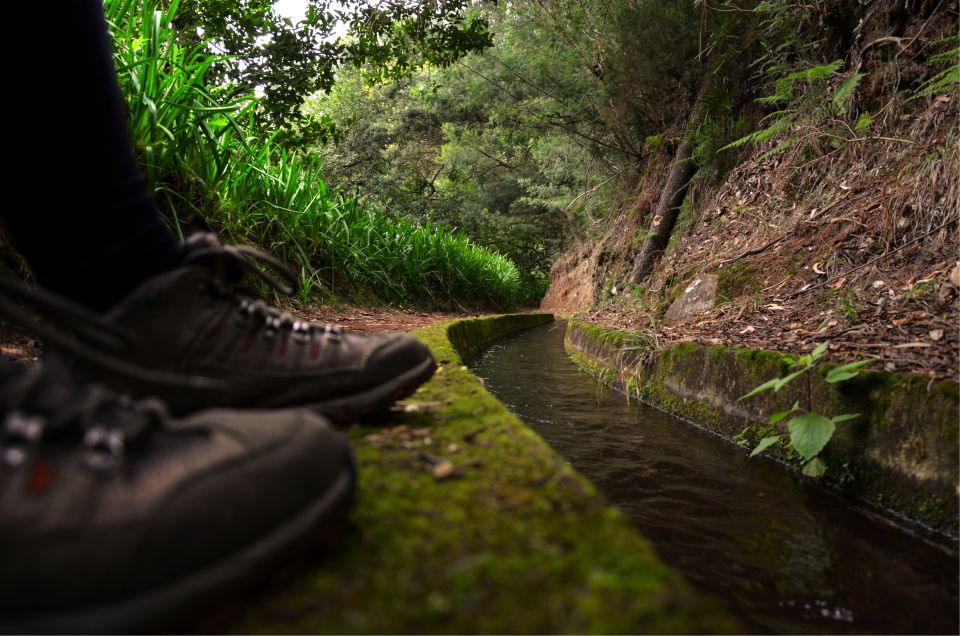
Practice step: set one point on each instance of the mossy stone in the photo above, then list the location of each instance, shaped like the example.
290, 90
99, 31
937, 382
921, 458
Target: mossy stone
515, 541
902, 450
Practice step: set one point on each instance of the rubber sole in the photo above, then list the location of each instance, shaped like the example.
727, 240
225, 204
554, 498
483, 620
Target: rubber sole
377, 399
169, 605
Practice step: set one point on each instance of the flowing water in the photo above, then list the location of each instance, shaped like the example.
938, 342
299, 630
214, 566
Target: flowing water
784, 555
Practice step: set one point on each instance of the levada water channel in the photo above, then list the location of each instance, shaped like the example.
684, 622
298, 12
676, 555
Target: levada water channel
785, 555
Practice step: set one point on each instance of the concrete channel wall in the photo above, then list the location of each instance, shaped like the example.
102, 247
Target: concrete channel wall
468, 522
901, 454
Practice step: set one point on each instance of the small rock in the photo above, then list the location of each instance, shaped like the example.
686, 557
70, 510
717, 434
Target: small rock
444, 470
453, 448
699, 296
936, 334
877, 284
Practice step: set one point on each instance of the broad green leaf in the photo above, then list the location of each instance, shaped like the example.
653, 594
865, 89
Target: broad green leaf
765, 443
809, 433
836, 419
820, 350
782, 382
779, 415
766, 386
845, 371
815, 467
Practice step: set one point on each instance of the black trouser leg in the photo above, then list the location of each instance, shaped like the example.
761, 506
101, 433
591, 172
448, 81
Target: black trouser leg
77, 205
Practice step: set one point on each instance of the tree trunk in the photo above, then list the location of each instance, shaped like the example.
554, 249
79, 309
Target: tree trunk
681, 172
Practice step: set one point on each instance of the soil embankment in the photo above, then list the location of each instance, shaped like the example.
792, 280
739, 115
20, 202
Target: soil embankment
812, 237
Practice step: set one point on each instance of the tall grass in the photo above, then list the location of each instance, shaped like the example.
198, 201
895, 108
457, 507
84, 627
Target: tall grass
202, 158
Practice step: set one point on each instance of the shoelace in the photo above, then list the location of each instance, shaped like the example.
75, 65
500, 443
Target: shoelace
236, 260
80, 332
233, 261
41, 405
89, 337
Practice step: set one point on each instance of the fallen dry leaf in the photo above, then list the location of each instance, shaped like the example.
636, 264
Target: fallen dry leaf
835, 284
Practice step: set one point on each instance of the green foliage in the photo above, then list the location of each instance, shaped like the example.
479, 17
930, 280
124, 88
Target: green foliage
809, 431
474, 146
653, 143
812, 103
949, 78
203, 157
260, 51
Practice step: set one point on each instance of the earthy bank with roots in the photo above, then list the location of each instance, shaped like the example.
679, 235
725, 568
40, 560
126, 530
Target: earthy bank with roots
836, 220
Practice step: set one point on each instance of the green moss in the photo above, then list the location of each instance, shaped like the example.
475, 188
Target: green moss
736, 280
682, 350
717, 352
516, 542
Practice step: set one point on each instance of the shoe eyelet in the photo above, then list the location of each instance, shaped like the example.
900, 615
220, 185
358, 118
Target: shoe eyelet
105, 448
20, 432
14, 457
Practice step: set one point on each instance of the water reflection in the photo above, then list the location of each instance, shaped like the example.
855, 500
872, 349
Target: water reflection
785, 556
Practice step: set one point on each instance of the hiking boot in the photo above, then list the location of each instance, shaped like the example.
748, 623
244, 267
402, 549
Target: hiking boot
191, 321
117, 517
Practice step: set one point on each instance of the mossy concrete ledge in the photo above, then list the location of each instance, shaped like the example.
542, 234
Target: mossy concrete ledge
468, 522
901, 454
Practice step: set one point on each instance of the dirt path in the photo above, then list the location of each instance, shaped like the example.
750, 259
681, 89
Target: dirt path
366, 320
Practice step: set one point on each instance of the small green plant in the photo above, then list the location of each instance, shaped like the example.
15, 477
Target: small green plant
809, 431
809, 102
654, 143
850, 313
949, 78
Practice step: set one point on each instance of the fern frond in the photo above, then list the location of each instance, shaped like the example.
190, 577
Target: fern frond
947, 79
815, 73
789, 143
760, 136
844, 91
